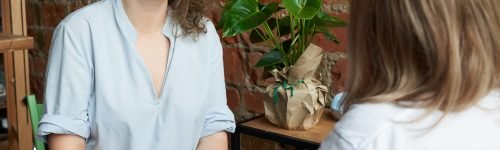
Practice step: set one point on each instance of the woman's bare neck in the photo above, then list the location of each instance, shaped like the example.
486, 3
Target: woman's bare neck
147, 16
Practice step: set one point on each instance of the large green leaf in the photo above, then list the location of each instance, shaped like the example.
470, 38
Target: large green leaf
324, 20
328, 34
303, 9
273, 57
244, 15
227, 6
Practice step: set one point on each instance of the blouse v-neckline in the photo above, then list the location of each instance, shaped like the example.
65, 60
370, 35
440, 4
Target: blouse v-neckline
131, 34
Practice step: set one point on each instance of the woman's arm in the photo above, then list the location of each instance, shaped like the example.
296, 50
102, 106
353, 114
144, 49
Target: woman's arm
65, 141
68, 87
217, 141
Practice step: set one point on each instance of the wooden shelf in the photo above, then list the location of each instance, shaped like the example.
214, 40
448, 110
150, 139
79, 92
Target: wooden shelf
15, 42
260, 127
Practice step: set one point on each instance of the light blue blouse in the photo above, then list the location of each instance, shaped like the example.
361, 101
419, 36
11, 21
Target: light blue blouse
99, 88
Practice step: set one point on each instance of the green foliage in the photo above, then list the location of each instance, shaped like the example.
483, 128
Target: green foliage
303, 9
322, 19
271, 58
290, 32
245, 15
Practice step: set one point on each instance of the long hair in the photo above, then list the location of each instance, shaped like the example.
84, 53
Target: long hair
436, 54
189, 14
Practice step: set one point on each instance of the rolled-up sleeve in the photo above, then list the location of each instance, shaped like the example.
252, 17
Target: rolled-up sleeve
218, 117
68, 84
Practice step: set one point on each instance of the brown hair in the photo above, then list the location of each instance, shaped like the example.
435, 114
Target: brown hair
189, 14
440, 54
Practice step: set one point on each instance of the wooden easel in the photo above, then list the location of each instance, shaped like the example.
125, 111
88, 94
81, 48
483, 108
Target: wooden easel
14, 45
15, 55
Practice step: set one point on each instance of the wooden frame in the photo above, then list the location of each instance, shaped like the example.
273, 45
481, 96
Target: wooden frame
5, 16
15, 53
13, 17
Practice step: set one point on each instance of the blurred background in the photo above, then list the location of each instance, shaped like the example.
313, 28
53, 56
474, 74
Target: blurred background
245, 87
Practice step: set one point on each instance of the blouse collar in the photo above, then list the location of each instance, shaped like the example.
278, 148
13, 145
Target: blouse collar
128, 29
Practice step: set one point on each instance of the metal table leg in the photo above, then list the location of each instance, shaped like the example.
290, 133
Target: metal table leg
235, 140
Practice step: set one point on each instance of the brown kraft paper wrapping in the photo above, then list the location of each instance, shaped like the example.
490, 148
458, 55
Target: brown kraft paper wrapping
299, 104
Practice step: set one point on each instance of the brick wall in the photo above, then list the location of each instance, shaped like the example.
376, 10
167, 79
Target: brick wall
244, 87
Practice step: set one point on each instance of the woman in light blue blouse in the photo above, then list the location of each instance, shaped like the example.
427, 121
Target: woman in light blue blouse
136, 75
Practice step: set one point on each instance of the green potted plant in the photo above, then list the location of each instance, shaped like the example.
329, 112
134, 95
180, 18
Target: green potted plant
297, 98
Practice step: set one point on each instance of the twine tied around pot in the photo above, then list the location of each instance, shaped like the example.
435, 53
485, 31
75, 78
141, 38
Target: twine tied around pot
285, 86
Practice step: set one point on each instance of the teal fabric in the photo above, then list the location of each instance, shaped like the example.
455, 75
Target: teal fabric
99, 88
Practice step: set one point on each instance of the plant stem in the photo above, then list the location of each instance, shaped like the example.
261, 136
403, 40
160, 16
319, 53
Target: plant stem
263, 38
304, 44
277, 42
292, 26
292, 47
278, 28
301, 40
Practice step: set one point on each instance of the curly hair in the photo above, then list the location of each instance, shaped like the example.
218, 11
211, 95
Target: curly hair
189, 14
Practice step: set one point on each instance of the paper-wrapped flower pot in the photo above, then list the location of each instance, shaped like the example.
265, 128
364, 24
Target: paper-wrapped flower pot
297, 99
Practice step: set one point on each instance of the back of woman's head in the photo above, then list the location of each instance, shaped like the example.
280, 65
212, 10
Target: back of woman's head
445, 54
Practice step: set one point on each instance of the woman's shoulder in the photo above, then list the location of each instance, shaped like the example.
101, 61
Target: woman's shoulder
87, 14
377, 124
210, 35
364, 121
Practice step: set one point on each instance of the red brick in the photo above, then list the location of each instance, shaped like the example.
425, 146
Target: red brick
228, 40
37, 87
75, 6
233, 98
53, 14
246, 38
255, 73
32, 33
233, 66
340, 33
254, 101
343, 16
215, 14
47, 41
39, 65
30, 12
340, 74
